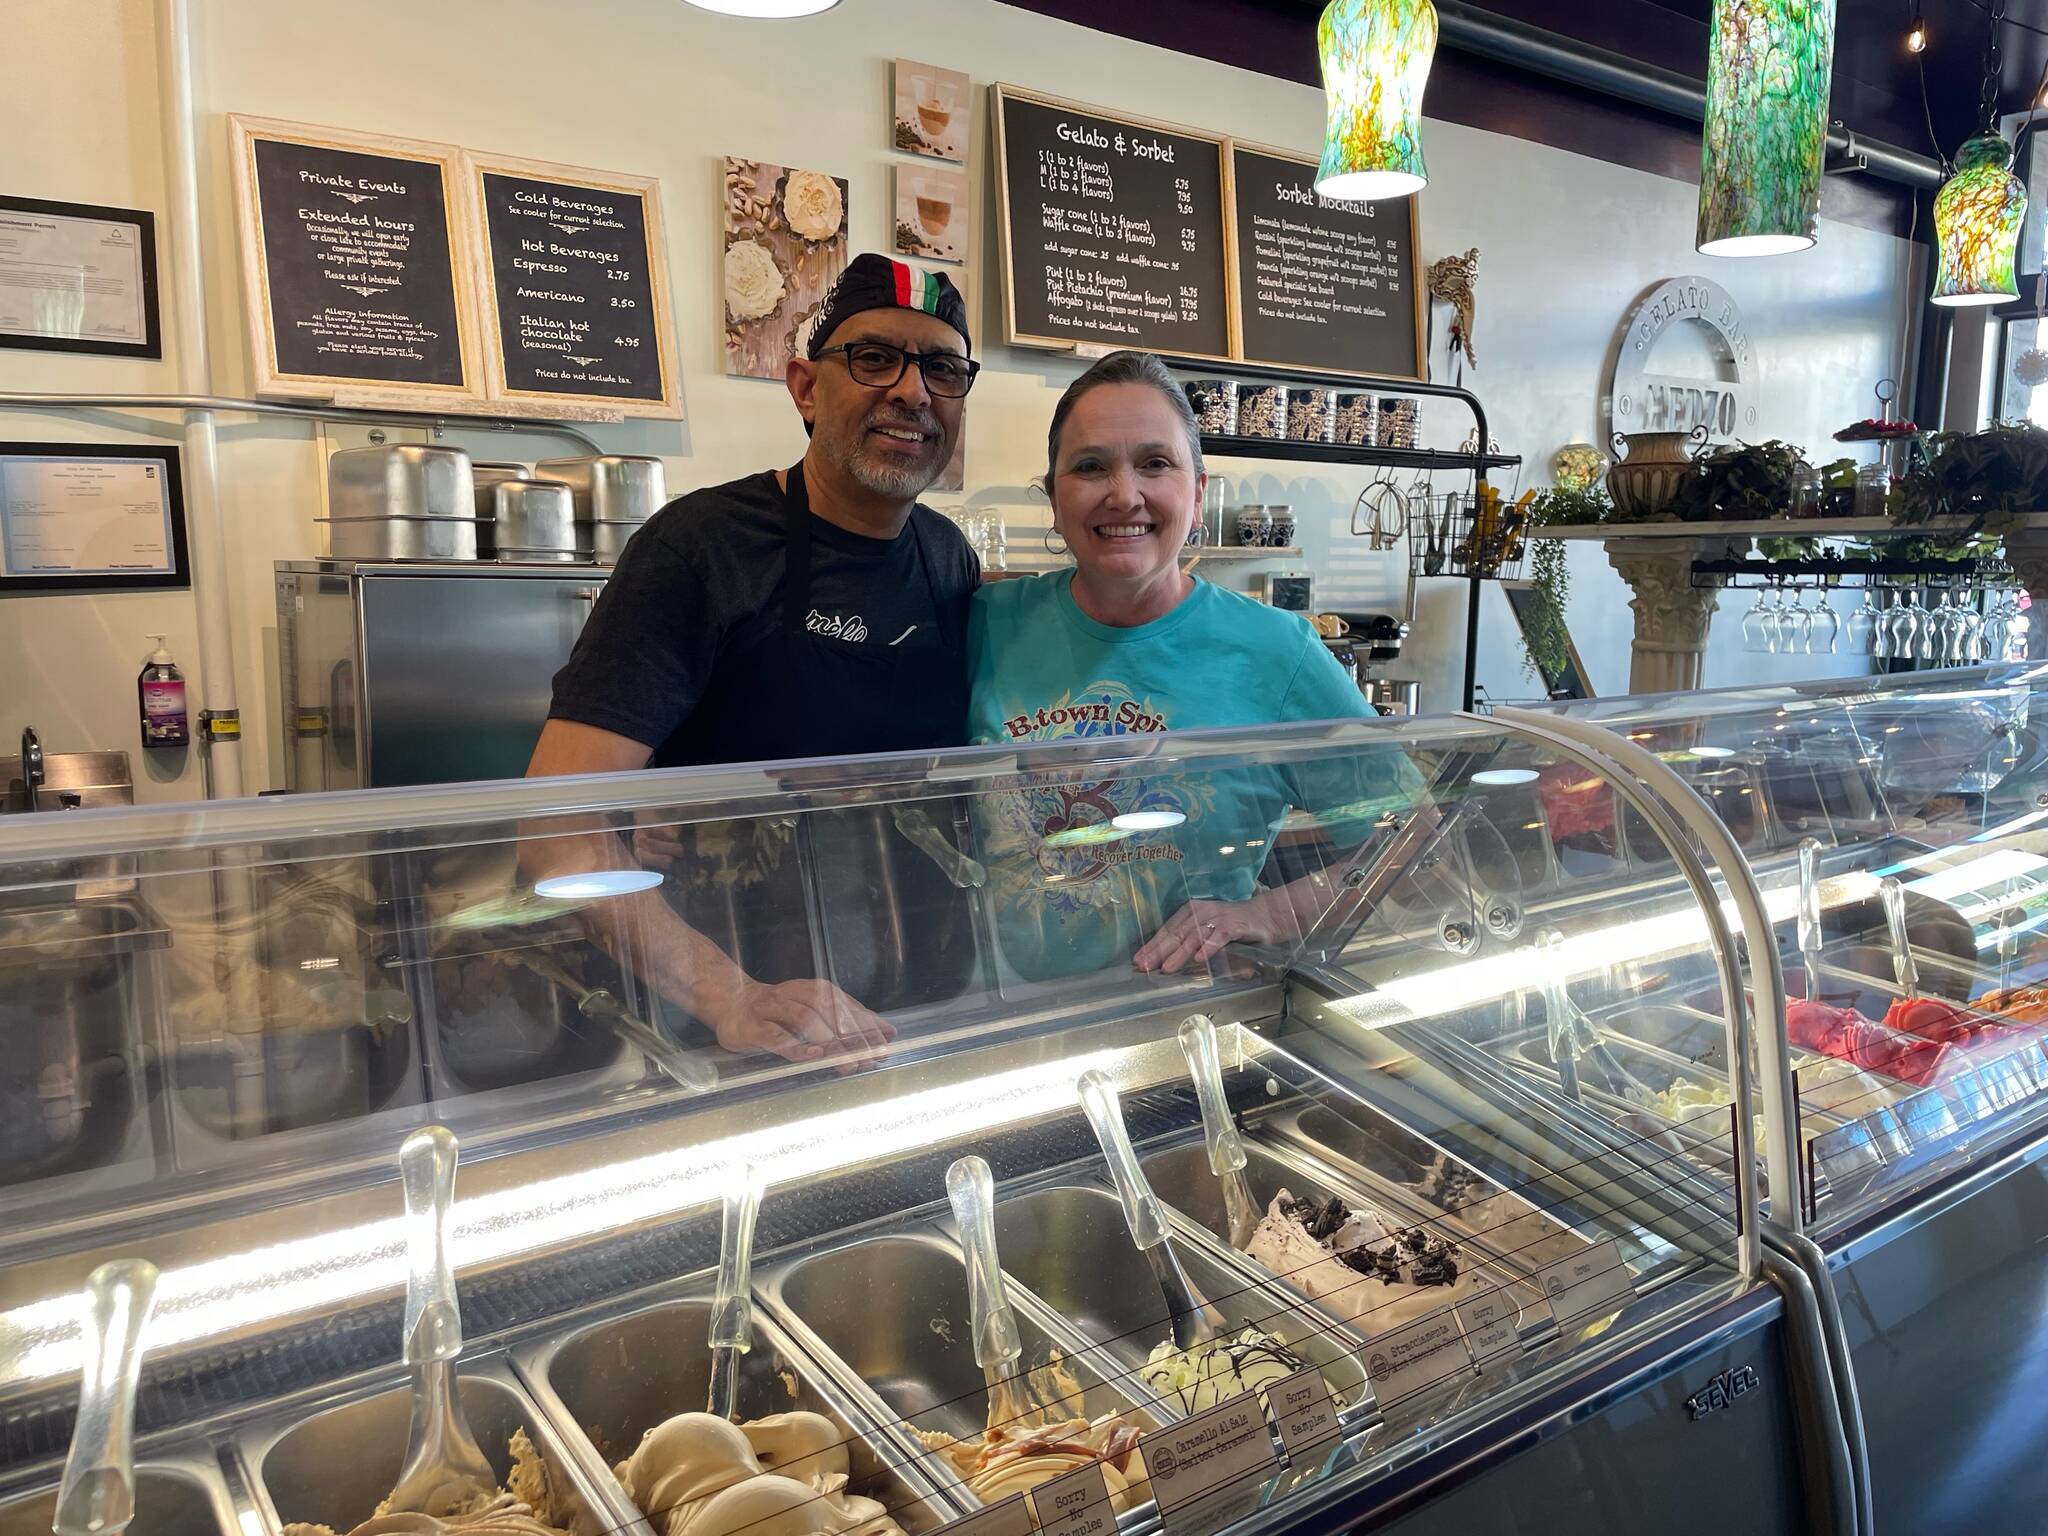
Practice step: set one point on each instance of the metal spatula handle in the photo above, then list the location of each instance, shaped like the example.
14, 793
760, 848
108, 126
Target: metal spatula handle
426, 1174
97, 1495
972, 1190
1104, 1108
1809, 914
1198, 1044
732, 1306
1904, 966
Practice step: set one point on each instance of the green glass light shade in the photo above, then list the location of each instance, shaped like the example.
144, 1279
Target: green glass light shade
1977, 218
1376, 56
1765, 147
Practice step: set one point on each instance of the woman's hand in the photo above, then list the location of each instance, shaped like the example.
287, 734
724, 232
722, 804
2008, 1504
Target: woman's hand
1201, 928
803, 1021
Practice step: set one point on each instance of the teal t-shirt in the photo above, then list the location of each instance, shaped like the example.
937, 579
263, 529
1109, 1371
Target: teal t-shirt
1072, 891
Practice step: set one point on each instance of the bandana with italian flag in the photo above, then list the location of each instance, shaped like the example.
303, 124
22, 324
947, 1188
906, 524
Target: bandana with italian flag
872, 281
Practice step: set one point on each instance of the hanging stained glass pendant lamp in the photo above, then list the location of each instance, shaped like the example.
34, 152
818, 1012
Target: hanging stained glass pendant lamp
1979, 210
1764, 152
1376, 56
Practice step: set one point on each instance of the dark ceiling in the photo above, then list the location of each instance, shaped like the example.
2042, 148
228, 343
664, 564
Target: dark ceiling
1877, 88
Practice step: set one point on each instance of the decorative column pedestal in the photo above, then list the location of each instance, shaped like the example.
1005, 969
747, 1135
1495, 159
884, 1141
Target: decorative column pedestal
1672, 615
2026, 550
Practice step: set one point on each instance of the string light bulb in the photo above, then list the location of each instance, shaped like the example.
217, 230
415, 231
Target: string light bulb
1916, 32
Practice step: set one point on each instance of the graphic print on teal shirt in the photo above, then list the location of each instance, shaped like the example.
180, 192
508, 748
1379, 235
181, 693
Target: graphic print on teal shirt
1074, 891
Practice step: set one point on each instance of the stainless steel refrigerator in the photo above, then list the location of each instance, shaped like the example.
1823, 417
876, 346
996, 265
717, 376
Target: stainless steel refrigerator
420, 673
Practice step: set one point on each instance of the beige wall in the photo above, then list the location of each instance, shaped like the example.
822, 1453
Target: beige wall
658, 88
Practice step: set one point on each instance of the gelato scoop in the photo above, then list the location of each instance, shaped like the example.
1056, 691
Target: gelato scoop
1200, 1378
1359, 1265
783, 1475
525, 1507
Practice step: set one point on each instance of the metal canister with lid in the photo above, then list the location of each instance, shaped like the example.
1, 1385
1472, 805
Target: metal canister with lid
534, 522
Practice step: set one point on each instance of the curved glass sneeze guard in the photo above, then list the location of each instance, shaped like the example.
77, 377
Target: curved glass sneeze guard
1917, 1001
1467, 1017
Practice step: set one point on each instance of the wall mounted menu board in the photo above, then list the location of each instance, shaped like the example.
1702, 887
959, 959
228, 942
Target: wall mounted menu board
1113, 229
575, 287
1322, 283
352, 262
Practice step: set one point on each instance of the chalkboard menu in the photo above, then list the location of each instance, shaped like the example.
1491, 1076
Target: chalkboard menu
1113, 229
352, 265
575, 287
1322, 283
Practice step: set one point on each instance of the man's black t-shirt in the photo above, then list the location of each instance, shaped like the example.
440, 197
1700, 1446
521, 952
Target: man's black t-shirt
692, 618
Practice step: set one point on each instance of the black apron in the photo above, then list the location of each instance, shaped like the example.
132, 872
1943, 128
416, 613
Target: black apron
876, 915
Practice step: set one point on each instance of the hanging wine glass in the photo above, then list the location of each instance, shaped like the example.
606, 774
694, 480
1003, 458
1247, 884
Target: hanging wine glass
1925, 647
1902, 625
1760, 625
1795, 628
1991, 640
1863, 627
1823, 624
1943, 630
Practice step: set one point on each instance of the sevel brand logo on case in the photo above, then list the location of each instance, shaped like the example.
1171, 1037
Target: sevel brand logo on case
1722, 1391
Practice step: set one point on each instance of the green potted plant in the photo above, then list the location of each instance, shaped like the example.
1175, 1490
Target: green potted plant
1543, 628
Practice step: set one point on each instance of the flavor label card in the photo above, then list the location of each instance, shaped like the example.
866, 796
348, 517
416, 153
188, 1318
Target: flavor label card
1303, 1409
1194, 1458
1405, 1360
1597, 1280
1010, 1517
1492, 1328
1076, 1505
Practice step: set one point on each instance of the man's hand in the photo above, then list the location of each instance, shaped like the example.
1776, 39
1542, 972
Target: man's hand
802, 1021
1201, 928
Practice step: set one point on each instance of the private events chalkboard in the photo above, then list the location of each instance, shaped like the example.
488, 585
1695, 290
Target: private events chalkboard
1322, 283
575, 287
353, 248
1113, 229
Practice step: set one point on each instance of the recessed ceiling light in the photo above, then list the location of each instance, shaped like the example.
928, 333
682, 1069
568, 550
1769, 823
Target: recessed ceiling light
592, 884
1147, 821
1499, 776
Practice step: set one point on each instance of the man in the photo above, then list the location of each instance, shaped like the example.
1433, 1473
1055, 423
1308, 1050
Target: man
809, 612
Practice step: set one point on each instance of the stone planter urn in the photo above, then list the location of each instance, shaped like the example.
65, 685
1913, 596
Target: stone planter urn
1648, 470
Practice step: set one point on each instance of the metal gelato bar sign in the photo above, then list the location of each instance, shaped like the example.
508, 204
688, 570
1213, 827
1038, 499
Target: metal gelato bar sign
1642, 400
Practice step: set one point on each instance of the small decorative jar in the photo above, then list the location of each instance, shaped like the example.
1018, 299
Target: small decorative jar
1397, 423
1356, 417
1312, 415
1280, 529
1215, 405
1873, 487
1254, 527
1262, 411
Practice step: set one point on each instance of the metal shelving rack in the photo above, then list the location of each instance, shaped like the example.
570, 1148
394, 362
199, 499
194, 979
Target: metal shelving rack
1476, 464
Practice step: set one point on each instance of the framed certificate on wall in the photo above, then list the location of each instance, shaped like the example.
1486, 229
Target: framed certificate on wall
91, 517
78, 278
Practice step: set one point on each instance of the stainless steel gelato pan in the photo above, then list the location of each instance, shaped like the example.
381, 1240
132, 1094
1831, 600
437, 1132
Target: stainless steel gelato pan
1068, 1245
610, 487
619, 1378
173, 1497
332, 1462
401, 480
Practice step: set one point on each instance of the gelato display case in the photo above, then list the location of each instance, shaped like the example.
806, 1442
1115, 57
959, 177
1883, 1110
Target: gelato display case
1291, 1130
1903, 864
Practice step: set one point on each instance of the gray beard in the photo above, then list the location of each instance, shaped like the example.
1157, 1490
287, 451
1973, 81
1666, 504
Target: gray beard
897, 483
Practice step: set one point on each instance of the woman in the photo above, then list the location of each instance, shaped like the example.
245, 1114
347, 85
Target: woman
1127, 642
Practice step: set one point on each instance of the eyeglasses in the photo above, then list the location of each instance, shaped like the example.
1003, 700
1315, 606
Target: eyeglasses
881, 366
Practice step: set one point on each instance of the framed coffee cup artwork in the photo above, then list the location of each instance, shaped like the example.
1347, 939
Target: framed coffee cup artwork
930, 111
931, 212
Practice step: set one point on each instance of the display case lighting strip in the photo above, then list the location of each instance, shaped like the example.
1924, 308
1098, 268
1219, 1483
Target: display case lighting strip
237, 1292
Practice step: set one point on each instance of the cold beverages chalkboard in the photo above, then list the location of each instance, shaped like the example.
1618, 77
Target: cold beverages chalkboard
575, 287
353, 266
1321, 283
1113, 230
